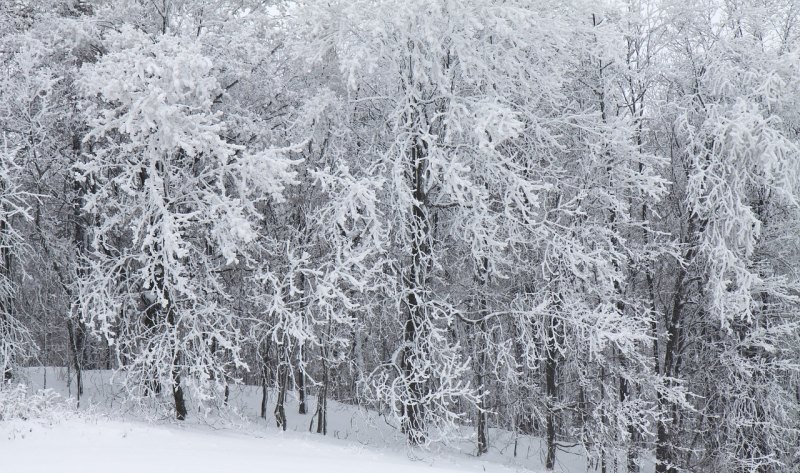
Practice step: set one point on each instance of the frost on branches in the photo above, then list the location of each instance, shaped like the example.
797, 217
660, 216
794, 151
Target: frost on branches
569, 222
167, 188
473, 156
16, 344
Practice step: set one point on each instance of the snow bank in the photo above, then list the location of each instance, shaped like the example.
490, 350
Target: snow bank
113, 438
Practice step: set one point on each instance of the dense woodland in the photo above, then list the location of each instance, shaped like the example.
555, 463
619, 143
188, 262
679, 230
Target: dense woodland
574, 220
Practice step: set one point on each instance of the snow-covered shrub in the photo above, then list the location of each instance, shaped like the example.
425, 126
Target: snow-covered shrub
18, 403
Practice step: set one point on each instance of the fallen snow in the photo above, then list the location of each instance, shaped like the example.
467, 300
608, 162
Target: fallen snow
104, 446
109, 436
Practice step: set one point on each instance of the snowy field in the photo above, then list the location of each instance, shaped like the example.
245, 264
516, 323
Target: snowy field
104, 446
107, 436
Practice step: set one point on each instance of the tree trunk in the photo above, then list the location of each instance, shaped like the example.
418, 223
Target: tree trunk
177, 389
177, 394
301, 384
322, 401
413, 410
283, 379
552, 336
152, 385
108, 355
264, 379
480, 344
358, 358
420, 231
264, 396
483, 443
550, 386
5, 302
76, 348
664, 455
632, 458
77, 332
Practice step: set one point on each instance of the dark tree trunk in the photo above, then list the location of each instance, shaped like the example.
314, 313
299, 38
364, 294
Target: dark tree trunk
553, 337
264, 396
632, 458
301, 384
414, 410
152, 385
280, 401
480, 343
76, 347
264, 379
177, 390
483, 442
5, 268
177, 394
322, 401
75, 328
550, 386
108, 355
322, 395
301, 392
665, 457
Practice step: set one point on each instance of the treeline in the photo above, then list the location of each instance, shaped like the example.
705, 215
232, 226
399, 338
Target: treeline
572, 220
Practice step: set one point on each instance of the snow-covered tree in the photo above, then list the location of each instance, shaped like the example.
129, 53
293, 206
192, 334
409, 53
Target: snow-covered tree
15, 341
741, 192
173, 199
475, 172
574, 221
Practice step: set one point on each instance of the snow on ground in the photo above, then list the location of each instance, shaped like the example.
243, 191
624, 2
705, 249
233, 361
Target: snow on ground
110, 436
121, 447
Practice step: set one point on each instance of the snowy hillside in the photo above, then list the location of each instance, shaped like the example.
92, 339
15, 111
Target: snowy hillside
108, 435
122, 447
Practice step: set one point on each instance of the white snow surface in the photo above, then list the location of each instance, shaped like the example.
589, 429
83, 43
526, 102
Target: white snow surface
108, 436
107, 446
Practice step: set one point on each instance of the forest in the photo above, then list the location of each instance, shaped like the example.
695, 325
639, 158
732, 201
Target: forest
574, 220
